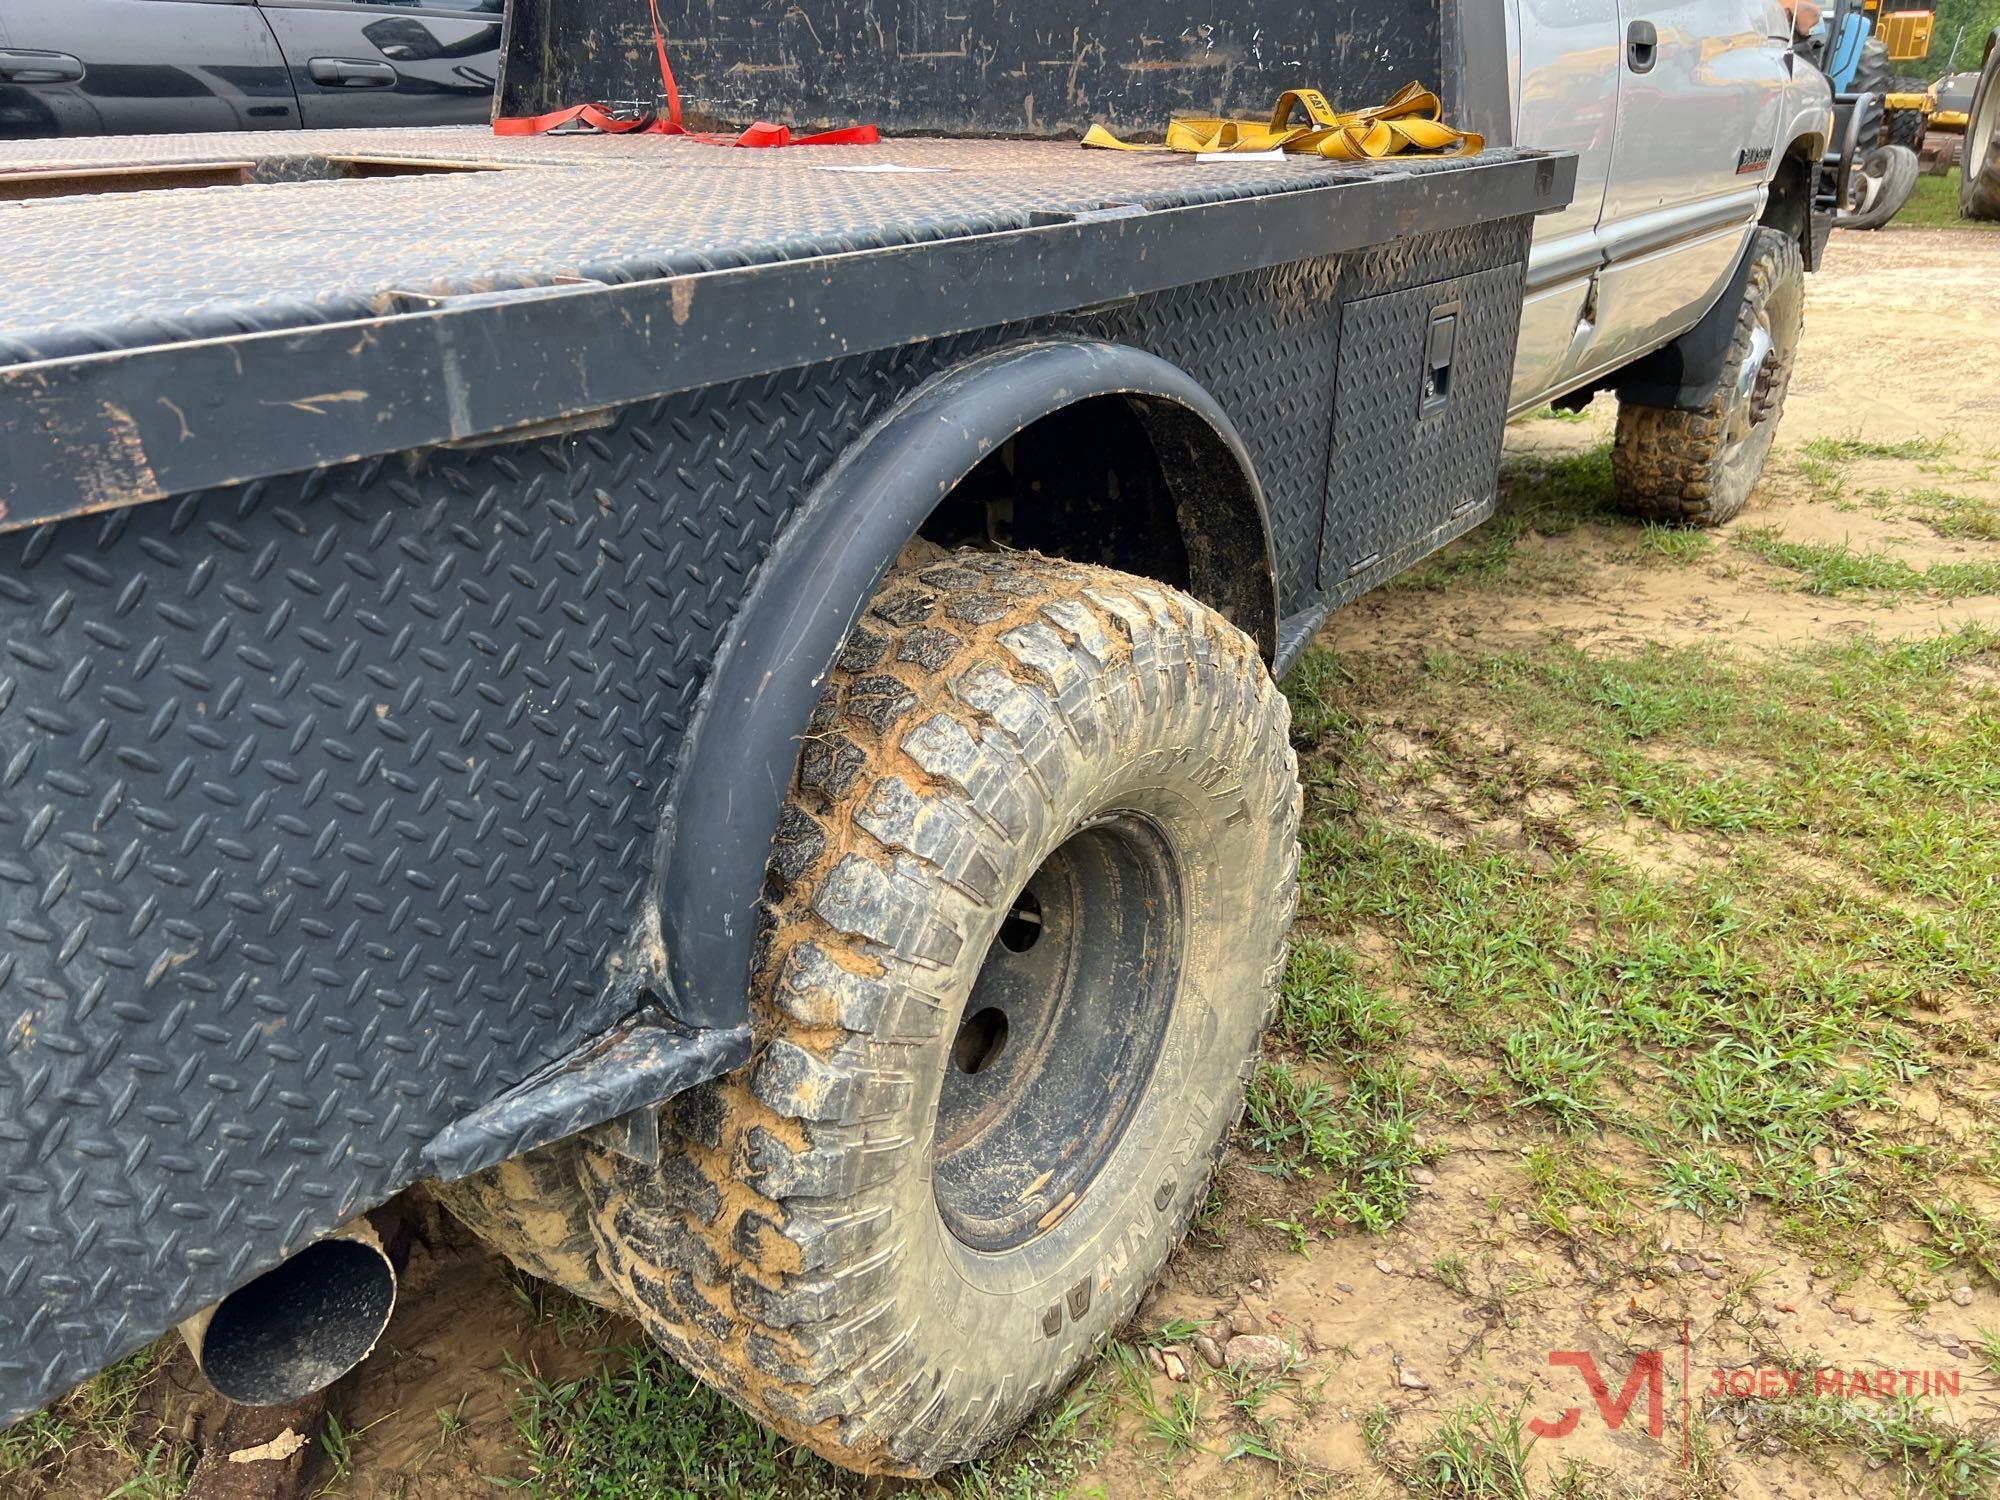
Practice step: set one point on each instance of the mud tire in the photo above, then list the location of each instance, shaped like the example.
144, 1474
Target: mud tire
1681, 468
1905, 128
529, 1209
987, 715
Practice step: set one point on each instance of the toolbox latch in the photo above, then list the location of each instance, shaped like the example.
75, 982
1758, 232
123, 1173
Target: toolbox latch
1440, 349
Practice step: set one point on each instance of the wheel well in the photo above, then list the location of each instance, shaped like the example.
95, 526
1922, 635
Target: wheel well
1789, 205
1139, 484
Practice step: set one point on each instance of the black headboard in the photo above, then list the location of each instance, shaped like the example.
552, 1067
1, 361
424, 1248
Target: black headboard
979, 67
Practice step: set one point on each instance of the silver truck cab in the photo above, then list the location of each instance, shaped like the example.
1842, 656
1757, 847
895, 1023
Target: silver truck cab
1686, 117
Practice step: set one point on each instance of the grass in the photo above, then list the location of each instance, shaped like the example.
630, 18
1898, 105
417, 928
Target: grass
1934, 205
100, 1424
1949, 514
638, 1427
1739, 1022
1842, 450
1677, 546
1547, 494
1478, 1454
1910, 1445
1828, 569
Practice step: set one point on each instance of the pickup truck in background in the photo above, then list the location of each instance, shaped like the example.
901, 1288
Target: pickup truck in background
116, 67
720, 706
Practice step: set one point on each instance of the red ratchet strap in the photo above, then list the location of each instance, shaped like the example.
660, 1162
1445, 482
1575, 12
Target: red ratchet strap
762, 133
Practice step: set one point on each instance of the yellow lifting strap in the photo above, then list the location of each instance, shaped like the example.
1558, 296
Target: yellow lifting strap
1408, 122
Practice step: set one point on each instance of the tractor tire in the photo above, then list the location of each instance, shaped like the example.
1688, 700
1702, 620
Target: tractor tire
1023, 927
1871, 71
1698, 468
1979, 184
1880, 185
1905, 128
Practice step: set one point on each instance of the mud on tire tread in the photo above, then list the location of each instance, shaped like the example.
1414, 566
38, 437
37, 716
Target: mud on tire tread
528, 1208
769, 1251
1666, 464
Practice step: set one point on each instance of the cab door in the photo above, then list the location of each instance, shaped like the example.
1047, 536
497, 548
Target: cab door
1700, 89
93, 67
419, 62
1565, 99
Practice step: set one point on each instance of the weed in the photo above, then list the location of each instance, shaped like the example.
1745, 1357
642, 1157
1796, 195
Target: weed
162, 1474
337, 1443
1327, 1010
639, 1427
1829, 569
1479, 1455
1676, 545
1452, 1273
1960, 1236
567, 1313
1363, 1140
1175, 1425
1848, 449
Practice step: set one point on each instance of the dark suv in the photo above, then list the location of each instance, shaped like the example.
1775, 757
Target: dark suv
97, 67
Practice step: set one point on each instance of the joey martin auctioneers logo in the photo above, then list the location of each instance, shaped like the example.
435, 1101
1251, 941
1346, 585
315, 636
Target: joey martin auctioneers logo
1771, 1393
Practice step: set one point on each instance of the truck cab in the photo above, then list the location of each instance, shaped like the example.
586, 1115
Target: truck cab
1685, 116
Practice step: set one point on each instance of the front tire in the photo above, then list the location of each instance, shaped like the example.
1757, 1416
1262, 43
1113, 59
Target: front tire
1698, 468
1027, 914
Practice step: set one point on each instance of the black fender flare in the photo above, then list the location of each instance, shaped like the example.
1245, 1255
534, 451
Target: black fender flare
715, 832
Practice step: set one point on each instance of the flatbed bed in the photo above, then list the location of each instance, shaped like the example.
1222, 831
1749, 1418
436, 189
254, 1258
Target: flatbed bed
393, 797
612, 269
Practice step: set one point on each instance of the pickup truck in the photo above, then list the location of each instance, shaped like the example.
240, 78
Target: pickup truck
719, 706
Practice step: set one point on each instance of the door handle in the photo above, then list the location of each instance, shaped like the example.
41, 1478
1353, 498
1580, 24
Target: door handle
351, 73
39, 67
1642, 46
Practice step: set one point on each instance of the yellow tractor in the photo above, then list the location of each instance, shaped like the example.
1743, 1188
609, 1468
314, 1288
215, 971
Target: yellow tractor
1891, 34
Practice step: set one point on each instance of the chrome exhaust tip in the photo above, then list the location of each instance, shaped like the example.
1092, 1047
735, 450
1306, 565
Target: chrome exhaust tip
301, 1325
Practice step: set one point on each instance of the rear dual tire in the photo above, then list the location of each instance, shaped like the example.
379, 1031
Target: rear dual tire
1025, 921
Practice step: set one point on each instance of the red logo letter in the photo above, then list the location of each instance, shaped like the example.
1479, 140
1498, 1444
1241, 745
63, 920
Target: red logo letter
1649, 1368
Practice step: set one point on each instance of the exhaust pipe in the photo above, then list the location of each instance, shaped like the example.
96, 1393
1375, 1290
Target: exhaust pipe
301, 1325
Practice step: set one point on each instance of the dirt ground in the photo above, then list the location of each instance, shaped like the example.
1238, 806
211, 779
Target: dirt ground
1372, 1307
1465, 1302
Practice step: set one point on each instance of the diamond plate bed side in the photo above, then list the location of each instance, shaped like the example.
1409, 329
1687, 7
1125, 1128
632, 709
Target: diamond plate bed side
327, 802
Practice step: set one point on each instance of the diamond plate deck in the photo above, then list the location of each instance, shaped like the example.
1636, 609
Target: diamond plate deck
286, 250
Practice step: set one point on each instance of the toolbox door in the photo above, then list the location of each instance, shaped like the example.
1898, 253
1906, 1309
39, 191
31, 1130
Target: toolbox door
1420, 405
